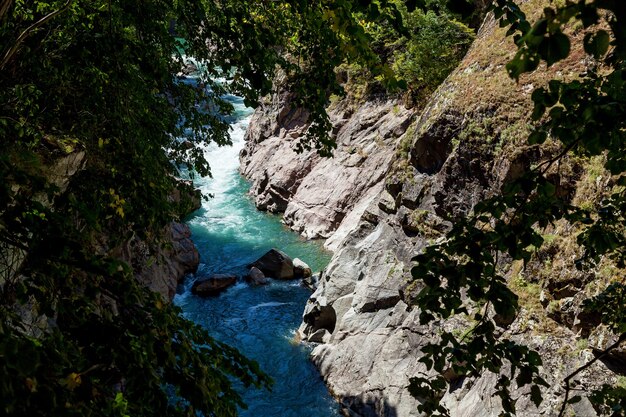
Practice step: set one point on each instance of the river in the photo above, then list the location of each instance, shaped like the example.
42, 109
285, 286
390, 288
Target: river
260, 321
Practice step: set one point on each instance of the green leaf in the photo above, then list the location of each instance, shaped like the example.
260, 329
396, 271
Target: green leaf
597, 44
554, 48
547, 189
524, 61
537, 137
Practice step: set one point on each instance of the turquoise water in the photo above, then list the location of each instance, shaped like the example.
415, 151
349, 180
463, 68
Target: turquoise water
259, 321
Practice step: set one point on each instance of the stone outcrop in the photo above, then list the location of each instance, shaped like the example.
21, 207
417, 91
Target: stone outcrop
185, 197
301, 269
61, 171
58, 171
467, 142
312, 281
161, 265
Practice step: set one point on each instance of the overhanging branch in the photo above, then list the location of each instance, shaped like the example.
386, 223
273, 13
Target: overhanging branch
29, 30
5, 5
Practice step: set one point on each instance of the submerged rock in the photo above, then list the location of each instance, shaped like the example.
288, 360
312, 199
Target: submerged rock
275, 264
256, 276
213, 285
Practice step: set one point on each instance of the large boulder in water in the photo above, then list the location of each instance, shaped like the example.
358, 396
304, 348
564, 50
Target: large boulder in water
256, 276
301, 269
213, 285
275, 264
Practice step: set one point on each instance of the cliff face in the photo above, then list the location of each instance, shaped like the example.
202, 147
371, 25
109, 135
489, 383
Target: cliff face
434, 167
160, 265
316, 194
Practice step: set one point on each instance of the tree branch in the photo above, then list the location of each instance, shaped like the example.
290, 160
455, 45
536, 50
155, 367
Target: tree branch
5, 5
29, 30
599, 356
545, 166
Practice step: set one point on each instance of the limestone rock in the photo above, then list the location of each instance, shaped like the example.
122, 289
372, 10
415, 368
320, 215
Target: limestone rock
268, 159
311, 281
319, 316
301, 269
185, 254
387, 203
159, 266
275, 264
213, 285
378, 212
376, 339
317, 194
63, 169
185, 197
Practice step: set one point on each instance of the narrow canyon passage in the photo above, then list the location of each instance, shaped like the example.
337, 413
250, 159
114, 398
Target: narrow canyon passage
258, 320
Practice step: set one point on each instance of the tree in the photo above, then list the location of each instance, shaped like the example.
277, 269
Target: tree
462, 275
98, 76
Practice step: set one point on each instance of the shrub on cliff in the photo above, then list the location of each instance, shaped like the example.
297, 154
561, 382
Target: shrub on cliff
436, 44
431, 46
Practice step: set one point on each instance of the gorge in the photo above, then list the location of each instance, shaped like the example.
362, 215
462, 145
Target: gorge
454, 170
259, 320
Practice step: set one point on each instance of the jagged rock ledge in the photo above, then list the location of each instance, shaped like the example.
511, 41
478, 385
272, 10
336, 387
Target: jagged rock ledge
162, 264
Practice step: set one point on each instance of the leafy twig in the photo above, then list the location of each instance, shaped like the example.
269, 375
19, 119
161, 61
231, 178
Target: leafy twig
558, 157
29, 30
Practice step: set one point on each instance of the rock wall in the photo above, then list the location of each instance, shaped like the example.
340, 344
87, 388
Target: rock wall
316, 194
160, 265
162, 262
58, 172
467, 142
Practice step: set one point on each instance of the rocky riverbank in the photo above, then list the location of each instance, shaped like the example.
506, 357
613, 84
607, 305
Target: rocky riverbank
315, 194
396, 182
